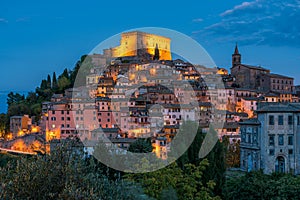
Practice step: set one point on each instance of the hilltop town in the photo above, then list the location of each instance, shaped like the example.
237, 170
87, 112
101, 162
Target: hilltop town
136, 90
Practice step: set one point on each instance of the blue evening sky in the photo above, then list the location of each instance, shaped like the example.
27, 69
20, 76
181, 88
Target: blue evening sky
39, 37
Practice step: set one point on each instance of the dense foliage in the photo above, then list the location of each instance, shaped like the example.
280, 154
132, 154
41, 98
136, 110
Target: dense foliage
141, 145
62, 175
216, 157
189, 177
256, 185
174, 183
233, 153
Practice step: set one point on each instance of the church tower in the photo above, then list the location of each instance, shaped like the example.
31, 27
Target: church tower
236, 57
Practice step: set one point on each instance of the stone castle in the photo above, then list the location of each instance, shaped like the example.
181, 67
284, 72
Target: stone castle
132, 42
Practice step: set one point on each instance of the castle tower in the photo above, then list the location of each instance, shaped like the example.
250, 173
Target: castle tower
133, 41
236, 57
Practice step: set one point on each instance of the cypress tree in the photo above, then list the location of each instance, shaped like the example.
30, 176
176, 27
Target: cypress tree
156, 53
43, 84
66, 73
48, 82
54, 82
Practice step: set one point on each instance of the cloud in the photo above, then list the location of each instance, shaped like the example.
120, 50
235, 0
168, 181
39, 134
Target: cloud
2, 20
23, 19
243, 6
198, 20
260, 22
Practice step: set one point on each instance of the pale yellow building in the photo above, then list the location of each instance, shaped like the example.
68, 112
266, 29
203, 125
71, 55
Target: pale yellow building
136, 40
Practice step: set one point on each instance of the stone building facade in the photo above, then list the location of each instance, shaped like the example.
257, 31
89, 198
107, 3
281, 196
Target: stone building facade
250, 144
131, 42
271, 142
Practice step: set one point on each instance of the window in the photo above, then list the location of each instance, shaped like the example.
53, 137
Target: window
68, 119
291, 151
290, 140
271, 140
280, 120
62, 112
53, 112
248, 138
290, 120
298, 120
271, 120
62, 118
271, 152
280, 140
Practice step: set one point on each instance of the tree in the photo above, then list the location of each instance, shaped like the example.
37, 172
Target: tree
49, 85
156, 53
232, 153
184, 184
216, 157
43, 85
14, 98
256, 185
54, 82
3, 125
65, 73
18, 109
141, 146
31, 98
62, 175
81, 70
63, 83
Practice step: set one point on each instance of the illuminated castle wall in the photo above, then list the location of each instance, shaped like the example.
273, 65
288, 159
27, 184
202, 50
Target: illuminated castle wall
132, 41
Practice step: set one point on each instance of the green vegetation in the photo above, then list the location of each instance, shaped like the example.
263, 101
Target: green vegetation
141, 146
62, 175
189, 177
216, 158
175, 183
66, 175
233, 153
256, 185
6, 158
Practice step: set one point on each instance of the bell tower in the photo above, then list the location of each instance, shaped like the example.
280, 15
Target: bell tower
236, 57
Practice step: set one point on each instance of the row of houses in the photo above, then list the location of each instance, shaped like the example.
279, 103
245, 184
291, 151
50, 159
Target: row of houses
135, 99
